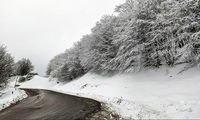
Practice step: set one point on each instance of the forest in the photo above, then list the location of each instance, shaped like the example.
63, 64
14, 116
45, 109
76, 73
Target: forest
140, 35
9, 68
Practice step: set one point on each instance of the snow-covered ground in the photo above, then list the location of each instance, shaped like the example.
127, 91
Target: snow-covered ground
10, 95
161, 93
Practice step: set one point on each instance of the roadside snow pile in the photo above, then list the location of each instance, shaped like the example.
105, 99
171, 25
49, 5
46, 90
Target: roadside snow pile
161, 94
10, 96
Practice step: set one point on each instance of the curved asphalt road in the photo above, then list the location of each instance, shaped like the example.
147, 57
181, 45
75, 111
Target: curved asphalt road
49, 105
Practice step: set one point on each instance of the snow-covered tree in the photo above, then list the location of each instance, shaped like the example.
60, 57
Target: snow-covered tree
135, 47
86, 52
66, 66
144, 34
23, 67
72, 68
56, 63
6, 64
101, 48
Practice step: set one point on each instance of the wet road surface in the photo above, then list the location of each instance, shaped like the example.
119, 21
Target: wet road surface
49, 105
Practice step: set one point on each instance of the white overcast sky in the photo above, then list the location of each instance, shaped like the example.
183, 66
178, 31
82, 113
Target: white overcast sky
40, 29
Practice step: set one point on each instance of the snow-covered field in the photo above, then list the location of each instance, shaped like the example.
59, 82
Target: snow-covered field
10, 95
152, 94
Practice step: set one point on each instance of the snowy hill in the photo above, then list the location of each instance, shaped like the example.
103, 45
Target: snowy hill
161, 93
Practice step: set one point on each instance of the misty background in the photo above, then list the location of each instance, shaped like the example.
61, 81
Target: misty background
40, 29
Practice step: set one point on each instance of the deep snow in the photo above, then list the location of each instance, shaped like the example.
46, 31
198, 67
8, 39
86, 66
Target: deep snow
161, 93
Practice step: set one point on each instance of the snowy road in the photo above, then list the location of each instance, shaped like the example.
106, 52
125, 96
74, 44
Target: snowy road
49, 105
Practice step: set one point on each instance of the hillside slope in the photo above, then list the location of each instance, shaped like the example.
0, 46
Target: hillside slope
162, 93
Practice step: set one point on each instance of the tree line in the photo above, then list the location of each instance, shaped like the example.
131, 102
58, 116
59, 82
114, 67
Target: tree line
8, 67
145, 34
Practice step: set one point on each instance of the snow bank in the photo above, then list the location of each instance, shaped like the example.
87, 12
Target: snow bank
39, 83
11, 95
151, 94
